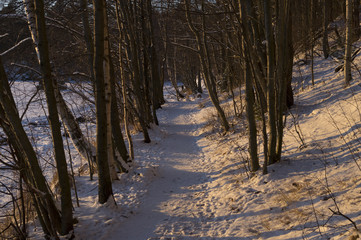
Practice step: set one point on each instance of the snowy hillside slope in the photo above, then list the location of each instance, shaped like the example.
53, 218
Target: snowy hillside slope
313, 193
192, 181
315, 190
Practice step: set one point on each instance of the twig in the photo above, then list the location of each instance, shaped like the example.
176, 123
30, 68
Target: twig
71, 168
344, 140
15, 46
299, 133
343, 215
27, 67
314, 211
28, 104
4, 35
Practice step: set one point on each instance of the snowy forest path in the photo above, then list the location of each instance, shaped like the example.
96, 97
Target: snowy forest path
177, 189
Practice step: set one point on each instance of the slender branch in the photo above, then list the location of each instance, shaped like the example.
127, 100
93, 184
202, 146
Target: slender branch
4, 35
28, 104
27, 67
343, 215
15, 46
185, 46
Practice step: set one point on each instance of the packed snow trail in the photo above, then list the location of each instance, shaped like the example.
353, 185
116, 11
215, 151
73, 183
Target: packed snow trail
170, 193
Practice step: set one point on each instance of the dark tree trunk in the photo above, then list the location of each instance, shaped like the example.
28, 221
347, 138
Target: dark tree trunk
49, 83
326, 19
105, 183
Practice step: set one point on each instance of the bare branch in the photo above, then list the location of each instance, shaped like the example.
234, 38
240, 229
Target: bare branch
27, 67
15, 46
184, 46
4, 35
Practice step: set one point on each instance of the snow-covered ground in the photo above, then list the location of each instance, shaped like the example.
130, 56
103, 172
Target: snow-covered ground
196, 186
191, 181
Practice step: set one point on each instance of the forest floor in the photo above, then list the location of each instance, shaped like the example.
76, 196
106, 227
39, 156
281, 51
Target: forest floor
200, 186
192, 181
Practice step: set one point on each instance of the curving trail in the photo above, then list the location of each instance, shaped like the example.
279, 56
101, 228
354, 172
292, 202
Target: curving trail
173, 196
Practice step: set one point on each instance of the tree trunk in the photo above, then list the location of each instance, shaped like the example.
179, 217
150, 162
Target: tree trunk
105, 183
252, 127
312, 41
45, 205
123, 82
199, 84
132, 53
356, 31
157, 93
87, 35
119, 144
271, 103
326, 18
48, 81
108, 98
285, 64
348, 47
83, 146
205, 63
146, 63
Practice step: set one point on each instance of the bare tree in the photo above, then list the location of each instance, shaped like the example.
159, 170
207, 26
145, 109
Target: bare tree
84, 147
204, 58
49, 83
49, 216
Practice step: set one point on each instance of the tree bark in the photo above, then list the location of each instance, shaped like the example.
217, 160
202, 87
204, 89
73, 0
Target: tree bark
326, 18
123, 84
132, 53
104, 179
87, 35
108, 98
312, 40
285, 64
356, 30
348, 47
270, 82
252, 126
46, 208
83, 146
48, 81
